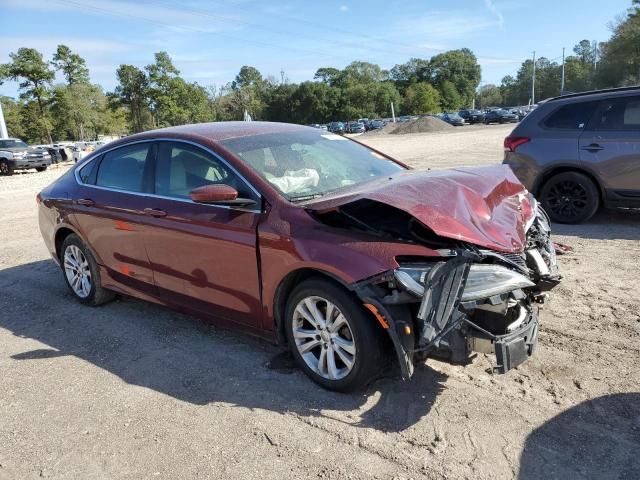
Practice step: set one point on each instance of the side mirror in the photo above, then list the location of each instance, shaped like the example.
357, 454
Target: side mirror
219, 193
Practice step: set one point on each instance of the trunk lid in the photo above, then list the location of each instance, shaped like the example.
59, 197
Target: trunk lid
485, 206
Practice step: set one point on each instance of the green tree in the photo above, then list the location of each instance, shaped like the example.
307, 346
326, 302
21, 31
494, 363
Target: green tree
361, 73
13, 116
132, 91
414, 71
458, 67
328, 75
421, 98
450, 97
247, 77
488, 96
28, 67
316, 102
72, 65
620, 56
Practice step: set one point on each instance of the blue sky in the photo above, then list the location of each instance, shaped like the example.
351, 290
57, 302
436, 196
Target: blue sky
210, 40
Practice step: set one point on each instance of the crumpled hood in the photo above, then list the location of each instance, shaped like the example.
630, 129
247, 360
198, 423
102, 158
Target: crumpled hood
485, 206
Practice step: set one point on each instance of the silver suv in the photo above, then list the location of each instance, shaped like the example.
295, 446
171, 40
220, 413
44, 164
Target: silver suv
579, 152
16, 155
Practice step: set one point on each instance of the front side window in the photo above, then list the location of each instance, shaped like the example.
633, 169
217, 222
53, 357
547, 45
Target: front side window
618, 114
123, 168
182, 168
305, 164
574, 116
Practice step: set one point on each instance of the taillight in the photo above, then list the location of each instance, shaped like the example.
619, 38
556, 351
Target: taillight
38, 198
512, 142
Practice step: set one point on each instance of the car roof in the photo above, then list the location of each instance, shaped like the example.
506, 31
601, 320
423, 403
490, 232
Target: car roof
596, 93
219, 131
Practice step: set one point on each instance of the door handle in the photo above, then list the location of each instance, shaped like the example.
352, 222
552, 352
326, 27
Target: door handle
154, 212
87, 202
593, 147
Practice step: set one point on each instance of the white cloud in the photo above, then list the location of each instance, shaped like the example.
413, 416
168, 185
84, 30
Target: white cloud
493, 9
47, 45
344, 8
497, 61
438, 27
194, 19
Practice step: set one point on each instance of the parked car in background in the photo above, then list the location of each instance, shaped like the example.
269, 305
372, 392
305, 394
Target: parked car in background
453, 118
376, 124
500, 116
330, 247
519, 112
403, 118
82, 149
579, 152
336, 127
355, 127
16, 155
472, 116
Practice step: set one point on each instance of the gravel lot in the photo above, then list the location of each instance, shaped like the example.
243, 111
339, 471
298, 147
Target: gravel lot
132, 390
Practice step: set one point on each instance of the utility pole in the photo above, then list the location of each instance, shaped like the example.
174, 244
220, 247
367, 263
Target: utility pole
3, 125
393, 113
533, 80
562, 81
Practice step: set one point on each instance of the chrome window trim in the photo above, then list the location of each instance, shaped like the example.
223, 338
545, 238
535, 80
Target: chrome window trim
100, 152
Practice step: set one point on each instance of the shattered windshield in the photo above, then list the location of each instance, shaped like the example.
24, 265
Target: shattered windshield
309, 164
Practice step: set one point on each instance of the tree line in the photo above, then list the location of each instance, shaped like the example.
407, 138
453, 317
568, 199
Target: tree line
157, 96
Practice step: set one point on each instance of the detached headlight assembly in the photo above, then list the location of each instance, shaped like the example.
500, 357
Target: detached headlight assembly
484, 281
488, 280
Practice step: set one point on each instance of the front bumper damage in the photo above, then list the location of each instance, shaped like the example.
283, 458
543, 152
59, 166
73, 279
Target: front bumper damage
443, 324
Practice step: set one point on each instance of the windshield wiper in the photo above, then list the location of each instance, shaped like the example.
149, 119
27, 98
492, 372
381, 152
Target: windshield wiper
302, 198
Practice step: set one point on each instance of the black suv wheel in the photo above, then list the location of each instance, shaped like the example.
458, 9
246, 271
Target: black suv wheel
570, 197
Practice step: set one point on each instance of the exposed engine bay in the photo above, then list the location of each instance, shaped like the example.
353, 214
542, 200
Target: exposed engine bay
470, 299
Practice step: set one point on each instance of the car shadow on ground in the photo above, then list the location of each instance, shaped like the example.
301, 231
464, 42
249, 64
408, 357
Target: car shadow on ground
605, 225
597, 439
188, 359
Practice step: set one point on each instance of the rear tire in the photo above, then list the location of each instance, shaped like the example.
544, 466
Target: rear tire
40, 169
570, 197
5, 167
344, 354
78, 267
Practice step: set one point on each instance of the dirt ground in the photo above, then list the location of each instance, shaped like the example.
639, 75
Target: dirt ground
132, 390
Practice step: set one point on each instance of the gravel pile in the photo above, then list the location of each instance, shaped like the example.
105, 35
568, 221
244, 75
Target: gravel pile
421, 125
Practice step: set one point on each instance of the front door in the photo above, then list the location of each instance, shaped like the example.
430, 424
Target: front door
203, 256
611, 147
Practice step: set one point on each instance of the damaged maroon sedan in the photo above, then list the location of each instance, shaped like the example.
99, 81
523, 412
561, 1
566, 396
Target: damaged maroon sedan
310, 239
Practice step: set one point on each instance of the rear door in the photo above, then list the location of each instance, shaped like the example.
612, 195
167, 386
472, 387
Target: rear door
610, 147
109, 210
203, 256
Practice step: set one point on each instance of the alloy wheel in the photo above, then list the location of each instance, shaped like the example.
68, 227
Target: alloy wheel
567, 199
324, 338
76, 268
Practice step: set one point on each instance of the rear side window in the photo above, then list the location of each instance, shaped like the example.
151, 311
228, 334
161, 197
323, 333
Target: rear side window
123, 168
87, 173
618, 114
574, 116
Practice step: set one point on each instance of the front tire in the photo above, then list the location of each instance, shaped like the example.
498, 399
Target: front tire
332, 338
570, 197
5, 167
81, 273
40, 169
